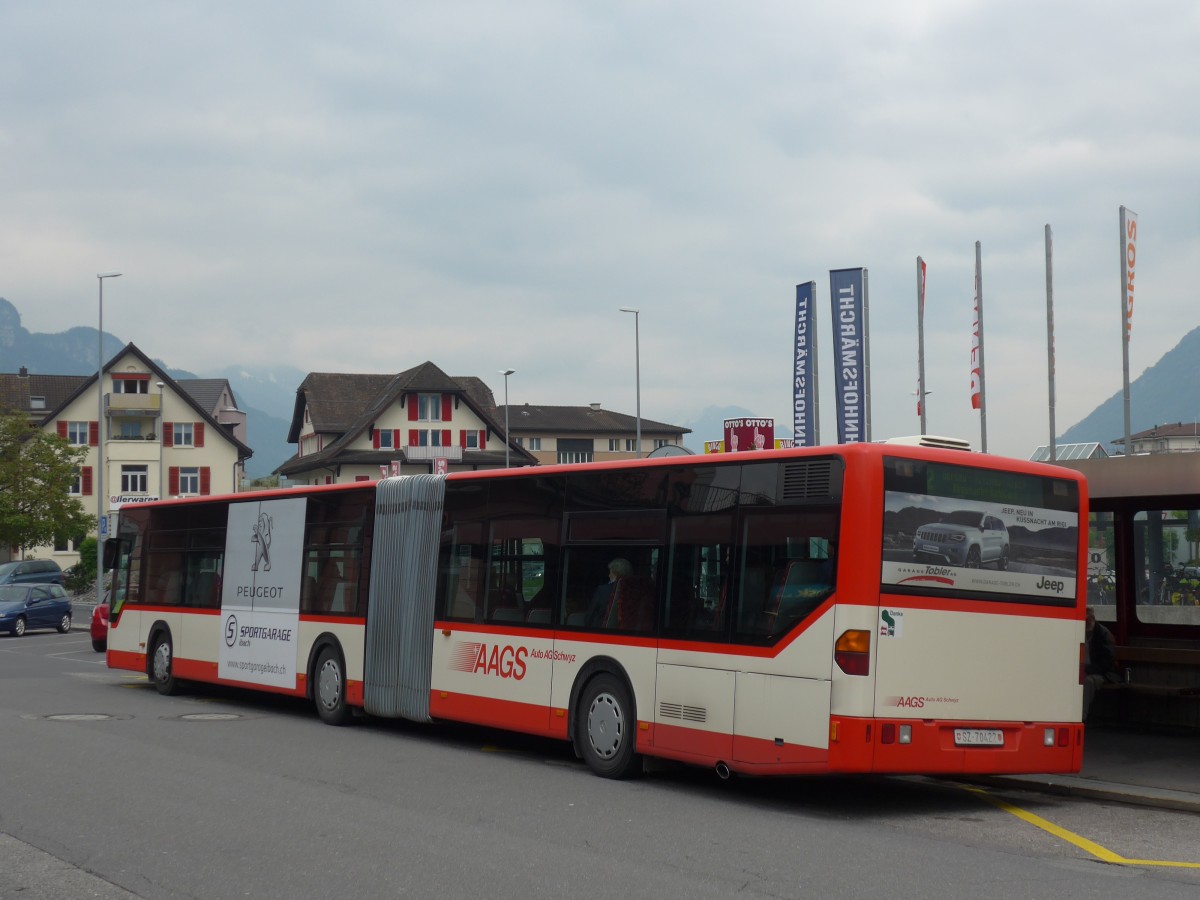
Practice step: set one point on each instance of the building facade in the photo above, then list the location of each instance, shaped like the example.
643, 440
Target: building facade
349, 427
147, 435
574, 434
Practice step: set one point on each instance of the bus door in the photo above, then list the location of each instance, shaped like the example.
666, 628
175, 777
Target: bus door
785, 604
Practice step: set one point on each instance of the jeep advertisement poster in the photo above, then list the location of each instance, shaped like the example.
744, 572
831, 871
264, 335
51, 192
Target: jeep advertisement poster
972, 531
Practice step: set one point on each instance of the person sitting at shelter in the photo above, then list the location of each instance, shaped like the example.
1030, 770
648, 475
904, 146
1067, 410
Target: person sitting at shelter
1100, 663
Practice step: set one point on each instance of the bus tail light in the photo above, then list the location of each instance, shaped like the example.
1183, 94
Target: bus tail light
852, 652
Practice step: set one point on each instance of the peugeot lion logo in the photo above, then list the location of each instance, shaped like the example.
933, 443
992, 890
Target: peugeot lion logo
262, 543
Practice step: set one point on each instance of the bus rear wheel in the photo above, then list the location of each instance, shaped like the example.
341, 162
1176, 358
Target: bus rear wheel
329, 691
605, 728
162, 666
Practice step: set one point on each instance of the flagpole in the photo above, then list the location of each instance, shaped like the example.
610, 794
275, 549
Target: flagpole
921, 341
1050, 333
982, 370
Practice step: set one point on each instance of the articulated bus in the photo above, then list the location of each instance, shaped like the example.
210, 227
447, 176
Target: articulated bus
858, 608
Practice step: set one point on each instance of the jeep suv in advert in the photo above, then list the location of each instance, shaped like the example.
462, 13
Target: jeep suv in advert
963, 538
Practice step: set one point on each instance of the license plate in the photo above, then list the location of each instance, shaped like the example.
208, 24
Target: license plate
979, 737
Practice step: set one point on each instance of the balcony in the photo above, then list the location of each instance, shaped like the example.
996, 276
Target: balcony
454, 454
146, 405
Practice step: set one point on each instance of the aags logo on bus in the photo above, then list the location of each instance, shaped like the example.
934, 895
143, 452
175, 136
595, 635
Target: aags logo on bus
506, 661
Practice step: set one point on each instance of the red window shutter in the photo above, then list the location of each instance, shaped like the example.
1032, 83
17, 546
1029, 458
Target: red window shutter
375, 438
414, 437
198, 434
62, 428
205, 480
482, 438
462, 438
395, 438
412, 407
173, 480
85, 480
93, 434
168, 434
447, 407
445, 437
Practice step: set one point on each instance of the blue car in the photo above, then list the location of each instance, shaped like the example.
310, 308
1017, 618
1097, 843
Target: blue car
26, 606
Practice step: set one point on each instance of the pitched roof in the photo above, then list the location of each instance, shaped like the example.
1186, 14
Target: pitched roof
349, 404
1168, 430
84, 382
581, 419
207, 391
17, 391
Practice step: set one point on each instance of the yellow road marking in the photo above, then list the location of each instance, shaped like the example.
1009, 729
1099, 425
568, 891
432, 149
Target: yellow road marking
1101, 853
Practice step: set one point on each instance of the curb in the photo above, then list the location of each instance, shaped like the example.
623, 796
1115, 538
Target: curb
1072, 786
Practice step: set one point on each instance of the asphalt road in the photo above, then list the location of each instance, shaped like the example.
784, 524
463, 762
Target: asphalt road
110, 790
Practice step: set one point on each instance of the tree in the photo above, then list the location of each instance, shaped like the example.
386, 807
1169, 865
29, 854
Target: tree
37, 471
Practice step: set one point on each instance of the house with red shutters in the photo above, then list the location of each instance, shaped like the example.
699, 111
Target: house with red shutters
362, 427
148, 435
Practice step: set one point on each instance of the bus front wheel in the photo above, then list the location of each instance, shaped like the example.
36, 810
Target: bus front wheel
605, 727
162, 666
329, 693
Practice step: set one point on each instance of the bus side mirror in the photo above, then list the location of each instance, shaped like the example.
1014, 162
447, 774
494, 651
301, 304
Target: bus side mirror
113, 547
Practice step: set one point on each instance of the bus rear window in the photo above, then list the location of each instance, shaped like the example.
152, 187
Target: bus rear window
976, 532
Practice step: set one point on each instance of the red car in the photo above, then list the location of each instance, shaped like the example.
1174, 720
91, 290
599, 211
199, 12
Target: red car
100, 627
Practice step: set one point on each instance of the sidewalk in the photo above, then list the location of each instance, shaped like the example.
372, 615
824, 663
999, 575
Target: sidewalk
1160, 770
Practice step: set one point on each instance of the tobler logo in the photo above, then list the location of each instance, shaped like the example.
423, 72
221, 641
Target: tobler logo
505, 662
262, 543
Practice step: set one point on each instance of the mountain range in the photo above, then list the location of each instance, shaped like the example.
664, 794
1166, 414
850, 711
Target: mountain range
268, 394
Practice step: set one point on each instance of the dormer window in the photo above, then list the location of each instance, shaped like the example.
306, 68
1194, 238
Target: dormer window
37, 402
429, 407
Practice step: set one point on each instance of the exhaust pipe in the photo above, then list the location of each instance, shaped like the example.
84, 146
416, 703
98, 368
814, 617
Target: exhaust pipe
723, 771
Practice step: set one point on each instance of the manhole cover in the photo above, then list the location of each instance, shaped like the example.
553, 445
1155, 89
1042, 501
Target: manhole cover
210, 717
79, 717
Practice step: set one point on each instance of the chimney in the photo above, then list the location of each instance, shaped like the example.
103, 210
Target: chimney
594, 405
23, 373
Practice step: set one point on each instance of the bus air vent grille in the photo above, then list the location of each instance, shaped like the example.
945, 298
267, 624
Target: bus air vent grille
683, 712
808, 480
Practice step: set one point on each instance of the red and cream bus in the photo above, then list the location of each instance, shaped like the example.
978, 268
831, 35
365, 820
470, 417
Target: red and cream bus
858, 608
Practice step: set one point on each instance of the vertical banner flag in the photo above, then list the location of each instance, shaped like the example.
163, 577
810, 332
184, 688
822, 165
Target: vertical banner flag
977, 346
1128, 259
849, 353
804, 382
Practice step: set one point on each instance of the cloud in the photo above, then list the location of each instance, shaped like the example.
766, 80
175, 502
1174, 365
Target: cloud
483, 185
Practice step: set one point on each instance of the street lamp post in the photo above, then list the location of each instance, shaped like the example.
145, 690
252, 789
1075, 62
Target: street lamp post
160, 438
506, 373
637, 352
101, 523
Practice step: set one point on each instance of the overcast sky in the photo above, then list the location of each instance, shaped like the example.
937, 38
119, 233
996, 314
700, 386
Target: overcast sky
361, 186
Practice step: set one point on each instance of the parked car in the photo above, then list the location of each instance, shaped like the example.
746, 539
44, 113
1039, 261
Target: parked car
26, 606
100, 627
28, 571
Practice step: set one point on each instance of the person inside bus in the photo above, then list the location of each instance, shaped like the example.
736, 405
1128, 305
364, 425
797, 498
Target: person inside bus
598, 613
1100, 663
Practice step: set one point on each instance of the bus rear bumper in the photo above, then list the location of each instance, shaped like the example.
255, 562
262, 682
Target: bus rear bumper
939, 747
